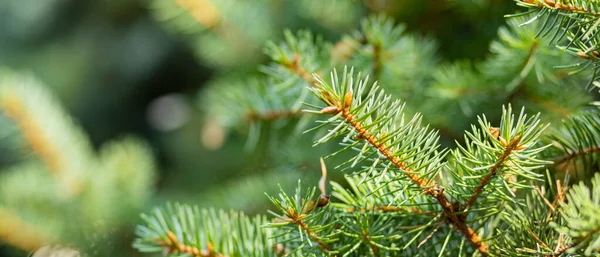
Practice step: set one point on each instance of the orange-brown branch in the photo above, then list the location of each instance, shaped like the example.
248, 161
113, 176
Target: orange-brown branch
366, 238
298, 220
513, 145
563, 7
20, 233
294, 65
429, 188
385, 208
32, 132
172, 244
573, 155
272, 115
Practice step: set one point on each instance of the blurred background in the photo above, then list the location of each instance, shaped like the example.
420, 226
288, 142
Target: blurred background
140, 68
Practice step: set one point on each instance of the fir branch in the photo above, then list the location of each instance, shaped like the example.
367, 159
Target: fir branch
294, 66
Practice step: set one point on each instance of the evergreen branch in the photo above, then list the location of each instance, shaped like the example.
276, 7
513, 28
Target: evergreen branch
376, 112
390, 209
202, 11
576, 143
173, 245
205, 233
272, 115
20, 233
590, 7
302, 220
294, 66
493, 160
46, 128
570, 156
513, 145
582, 223
32, 132
298, 220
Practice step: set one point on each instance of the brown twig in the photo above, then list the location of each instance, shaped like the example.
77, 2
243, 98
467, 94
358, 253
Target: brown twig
500, 162
294, 66
373, 247
563, 249
391, 209
298, 219
572, 155
272, 115
173, 244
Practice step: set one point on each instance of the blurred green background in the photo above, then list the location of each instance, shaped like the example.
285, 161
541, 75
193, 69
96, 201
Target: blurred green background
119, 70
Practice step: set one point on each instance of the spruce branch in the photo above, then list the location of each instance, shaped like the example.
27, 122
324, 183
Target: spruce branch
582, 223
576, 143
398, 142
300, 219
205, 232
512, 146
587, 7
493, 161
20, 233
573, 26
47, 129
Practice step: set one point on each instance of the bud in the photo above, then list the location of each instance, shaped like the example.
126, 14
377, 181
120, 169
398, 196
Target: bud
329, 109
495, 132
348, 99
323, 200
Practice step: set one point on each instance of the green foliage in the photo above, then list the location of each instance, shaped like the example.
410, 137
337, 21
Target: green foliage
404, 193
179, 229
228, 33
572, 25
575, 145
582, 224
61, 176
